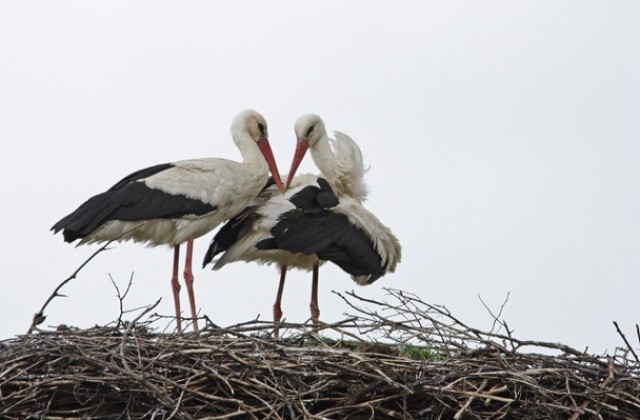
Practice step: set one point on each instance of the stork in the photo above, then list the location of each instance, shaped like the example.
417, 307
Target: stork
174, 203
280, 229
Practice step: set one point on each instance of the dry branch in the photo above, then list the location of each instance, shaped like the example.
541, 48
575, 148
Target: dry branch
39, 317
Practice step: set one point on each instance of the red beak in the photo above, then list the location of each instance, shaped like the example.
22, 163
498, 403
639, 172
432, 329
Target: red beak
301, 149
265, 148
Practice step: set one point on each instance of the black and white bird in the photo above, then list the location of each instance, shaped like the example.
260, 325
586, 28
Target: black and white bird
173, 203
319, 218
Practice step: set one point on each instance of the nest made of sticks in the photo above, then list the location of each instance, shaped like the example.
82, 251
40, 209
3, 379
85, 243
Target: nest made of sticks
401, 358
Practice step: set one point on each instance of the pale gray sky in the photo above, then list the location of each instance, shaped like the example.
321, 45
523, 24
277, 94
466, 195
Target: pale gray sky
502, 138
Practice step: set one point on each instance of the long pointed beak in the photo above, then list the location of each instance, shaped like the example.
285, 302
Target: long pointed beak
301, 149
265, 148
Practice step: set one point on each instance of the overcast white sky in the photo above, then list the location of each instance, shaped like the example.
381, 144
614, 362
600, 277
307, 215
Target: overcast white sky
502, 138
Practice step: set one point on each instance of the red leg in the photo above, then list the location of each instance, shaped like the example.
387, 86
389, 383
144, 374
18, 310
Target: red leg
175, 285
277, 310
315, 309
188, 280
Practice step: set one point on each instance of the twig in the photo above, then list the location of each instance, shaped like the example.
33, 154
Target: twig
626, 342
39, 317
132, 324
121, 298
496, 318
470, 400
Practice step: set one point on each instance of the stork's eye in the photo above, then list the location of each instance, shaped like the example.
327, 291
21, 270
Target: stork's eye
261, 128
310, 130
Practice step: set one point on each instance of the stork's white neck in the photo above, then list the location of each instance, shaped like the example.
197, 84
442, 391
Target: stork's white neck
251, 155
325, 159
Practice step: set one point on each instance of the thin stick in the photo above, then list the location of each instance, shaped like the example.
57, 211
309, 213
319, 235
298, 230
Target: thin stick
626, 342
121, 297
39, 317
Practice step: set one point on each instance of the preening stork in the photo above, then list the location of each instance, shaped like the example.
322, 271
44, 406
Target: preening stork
339, 160
319, 218
173, 203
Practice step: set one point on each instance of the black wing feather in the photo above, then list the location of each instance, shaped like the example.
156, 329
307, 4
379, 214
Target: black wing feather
141, 174
332, 237
313, 228
129, 200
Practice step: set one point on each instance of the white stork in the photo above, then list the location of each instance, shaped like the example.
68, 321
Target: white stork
173, 203
292, 229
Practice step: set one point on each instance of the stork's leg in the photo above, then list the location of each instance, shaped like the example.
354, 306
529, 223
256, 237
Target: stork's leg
315, 309
175, 285
188, 280
277, 309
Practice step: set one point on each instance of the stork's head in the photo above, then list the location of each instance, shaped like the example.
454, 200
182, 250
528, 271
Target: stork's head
309, 130
251, 124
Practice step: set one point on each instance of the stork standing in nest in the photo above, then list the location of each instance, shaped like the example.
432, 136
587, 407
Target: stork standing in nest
174, 203
319, 218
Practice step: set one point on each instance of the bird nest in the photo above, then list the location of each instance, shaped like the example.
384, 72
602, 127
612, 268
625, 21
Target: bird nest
398, 358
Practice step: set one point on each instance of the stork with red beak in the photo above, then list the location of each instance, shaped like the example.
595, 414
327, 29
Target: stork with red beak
292, 230
174, 203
